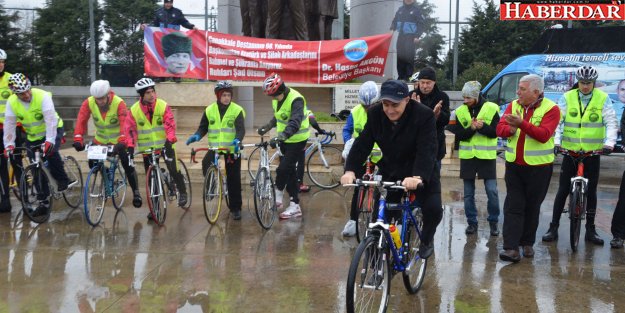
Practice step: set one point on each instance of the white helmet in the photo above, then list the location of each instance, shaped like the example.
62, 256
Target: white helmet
144, 83
100, 88
19, 83
3, 55
367, 93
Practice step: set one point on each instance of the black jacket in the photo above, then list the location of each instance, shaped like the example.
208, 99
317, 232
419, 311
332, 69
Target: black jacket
408, 147
168, 18
485, 169
430, 101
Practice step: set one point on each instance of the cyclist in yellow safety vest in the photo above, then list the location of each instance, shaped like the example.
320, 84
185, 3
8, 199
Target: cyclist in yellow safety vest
289, 108
151, 125
224, 122
109, 114
475, 128
301, 163
5, 93
356, 121
528, 124
588, 123
34, 108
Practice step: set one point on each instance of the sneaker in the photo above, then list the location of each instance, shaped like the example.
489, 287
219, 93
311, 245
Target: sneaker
279, 197
304, 188
616, 243
62, 186
292, 211
182, 200
350, 229
137, 202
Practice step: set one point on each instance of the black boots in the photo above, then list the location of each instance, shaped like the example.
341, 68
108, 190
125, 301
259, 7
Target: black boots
552, 233
591, 235
471, 229
494, 231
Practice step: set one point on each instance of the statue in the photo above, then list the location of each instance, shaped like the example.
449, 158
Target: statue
275, 18
321, 15
253, 17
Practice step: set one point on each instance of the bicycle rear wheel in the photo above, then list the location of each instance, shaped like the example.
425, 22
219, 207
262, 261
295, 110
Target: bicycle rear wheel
34, 181
157, 201
119, 186
264, 199
369, 279
212, 194
95, 195
74, 191
187, 183
576, 211
365, 211
415, 266
325, 167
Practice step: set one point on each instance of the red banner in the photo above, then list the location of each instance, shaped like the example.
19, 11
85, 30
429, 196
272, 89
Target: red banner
216, 56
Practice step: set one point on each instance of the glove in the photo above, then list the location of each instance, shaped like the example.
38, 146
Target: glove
275, 141
322, 132
261, 131
193, 138
606, 151
48, 147
78, 146
236, 143
8, 151
557, 150
119, 147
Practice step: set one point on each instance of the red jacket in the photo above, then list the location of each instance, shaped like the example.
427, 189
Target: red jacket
85, 113
169, 123
542, 133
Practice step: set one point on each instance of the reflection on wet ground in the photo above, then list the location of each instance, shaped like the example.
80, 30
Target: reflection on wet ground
130, 265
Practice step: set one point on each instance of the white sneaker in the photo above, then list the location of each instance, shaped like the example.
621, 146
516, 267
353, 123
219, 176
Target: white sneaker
279, 197
292, 211
350, 229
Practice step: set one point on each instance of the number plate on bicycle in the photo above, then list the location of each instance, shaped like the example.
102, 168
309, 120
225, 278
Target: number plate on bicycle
97, 152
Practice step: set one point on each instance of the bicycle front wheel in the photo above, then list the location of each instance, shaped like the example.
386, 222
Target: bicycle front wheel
33, 186
325, 167
415, 266
95, 195
187, 183
369, 279
119, 186
264, 199
74, 191
365, 211
576, 211
254, 159
157, 201
212, 194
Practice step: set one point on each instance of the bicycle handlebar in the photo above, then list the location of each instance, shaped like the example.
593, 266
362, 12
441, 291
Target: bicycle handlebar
580, 154
384, 184
195, 151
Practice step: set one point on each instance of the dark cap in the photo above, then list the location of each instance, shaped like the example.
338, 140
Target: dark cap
176, 42
427, 73
168, 1
394, 90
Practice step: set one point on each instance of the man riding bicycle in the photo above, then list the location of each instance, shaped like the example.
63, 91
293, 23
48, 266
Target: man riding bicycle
405, 131
34, 109
109, 113
588, 123
289, 107
224, 121
151, 125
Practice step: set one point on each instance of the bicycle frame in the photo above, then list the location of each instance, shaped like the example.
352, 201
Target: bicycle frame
109, 178
579, 180
316, 143
38, 160
215, 151
155, 155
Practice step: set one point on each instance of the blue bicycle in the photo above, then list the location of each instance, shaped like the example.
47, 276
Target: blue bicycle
378, 257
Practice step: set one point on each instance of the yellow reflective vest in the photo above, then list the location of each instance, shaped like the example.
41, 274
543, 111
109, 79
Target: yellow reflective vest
535, 152
32, 119
5, 93
221, 132
284, 114
150, 134
478, 146
584, 130
106, 129
359, 116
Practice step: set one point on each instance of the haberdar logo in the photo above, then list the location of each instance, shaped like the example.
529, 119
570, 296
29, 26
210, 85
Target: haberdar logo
562, 10
356, 50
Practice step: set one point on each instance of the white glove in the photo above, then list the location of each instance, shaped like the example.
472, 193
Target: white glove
347, 147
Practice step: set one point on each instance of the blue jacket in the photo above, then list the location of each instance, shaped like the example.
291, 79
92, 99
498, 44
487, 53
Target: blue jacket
172, 18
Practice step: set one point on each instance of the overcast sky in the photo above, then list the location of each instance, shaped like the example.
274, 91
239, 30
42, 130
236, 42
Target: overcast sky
197, 7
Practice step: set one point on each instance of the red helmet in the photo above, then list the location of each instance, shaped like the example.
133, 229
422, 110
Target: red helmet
272, 84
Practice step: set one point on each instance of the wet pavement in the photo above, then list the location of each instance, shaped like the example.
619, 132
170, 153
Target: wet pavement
130, 265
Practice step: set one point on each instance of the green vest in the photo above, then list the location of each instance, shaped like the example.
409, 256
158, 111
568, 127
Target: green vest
106, 129
584, 132
32, 119
150, 134
478, 146
535, 152
5, 93
283, 115
221, 132
359, 116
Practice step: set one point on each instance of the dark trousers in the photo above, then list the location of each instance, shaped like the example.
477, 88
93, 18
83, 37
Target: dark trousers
569, 170
301, 166
233, 177
55, 162
527, 187
16, 162
404, 69
172, 167
131, 173
286, 174
618, 219
298, 16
